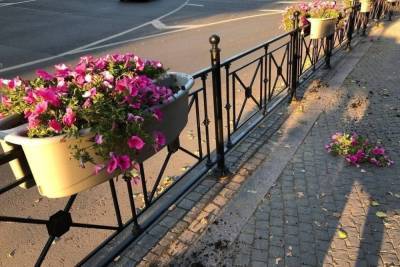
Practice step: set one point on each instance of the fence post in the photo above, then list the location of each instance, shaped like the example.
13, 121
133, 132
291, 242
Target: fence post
217, 99
364, 23
350, 29
294, 56
391, 6
328, 50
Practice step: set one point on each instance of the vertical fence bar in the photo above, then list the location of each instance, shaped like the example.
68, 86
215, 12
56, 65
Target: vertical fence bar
266, 79
217, 97
198, 125
328, 50
365, 18
128, 181
144, 185
294, 55
351, 23
206, 121
390, 7
116, 205
228, 106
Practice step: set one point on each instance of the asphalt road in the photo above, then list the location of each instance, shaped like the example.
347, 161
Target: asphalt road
36, 29
41, 33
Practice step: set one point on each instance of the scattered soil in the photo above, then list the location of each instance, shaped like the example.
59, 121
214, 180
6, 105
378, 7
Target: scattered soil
316, 85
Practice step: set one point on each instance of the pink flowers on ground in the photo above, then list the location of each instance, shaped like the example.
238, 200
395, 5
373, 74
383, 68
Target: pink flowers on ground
357, 149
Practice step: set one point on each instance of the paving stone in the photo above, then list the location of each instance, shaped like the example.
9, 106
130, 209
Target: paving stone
186, 204
194, 196
246, 238
220, 201
242, 259
296, 224
169, 221
259, 255
261, 244
187, 237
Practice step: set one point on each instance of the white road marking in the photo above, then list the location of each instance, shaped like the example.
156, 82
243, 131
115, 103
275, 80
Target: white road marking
161, 26
132, 29
16, 3
190, 27
198, 5
76, 50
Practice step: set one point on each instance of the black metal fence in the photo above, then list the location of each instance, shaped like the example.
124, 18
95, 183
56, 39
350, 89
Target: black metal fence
228, 100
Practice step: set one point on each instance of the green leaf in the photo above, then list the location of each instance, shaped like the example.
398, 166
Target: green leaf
381, 214
342, 234
374, 203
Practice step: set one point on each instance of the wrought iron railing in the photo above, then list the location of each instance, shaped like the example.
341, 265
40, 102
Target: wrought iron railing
228, 100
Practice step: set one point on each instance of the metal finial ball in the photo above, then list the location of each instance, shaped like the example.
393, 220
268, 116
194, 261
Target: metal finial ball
214, 39
296, 13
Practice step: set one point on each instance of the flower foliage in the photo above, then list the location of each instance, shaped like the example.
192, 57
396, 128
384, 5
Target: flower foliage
112, 96
356, 149
324, 10
316, 9
288, 16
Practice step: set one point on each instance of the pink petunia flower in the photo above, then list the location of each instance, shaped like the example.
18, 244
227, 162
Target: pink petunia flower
44, 75
55, 125
159, 140
40, 107
100, 64
134, 118
49, 96
87, 103
33, 121
135, 142
135, 180
124, 162
98, 139
98, 168
91, 93
88, 78
107, 76
112, 164
122, 84
6, 101
157, 114
69, 118
378, 151
29, 98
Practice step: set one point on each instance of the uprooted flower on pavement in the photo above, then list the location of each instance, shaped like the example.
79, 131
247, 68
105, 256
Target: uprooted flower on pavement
357, 149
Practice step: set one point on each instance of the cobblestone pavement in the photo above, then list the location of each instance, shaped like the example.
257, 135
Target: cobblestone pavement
316, 197
298, 223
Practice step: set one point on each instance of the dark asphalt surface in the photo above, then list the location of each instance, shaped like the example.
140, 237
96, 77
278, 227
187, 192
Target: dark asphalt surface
43, 28
47, 30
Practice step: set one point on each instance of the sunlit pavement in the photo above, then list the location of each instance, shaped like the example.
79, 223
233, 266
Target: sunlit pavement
318, 211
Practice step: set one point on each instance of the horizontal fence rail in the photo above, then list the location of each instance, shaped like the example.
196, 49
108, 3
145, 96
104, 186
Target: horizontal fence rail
228, 100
